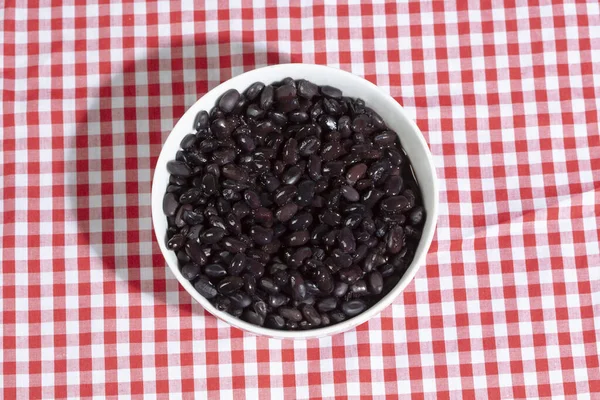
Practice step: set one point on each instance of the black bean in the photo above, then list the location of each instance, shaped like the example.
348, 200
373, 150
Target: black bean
234, 172
215, 271
395, 240
201, 121
311, 315
327, 304
359, 288
298, 256
178, 168
350, 275
324, 280
297, 286
341, 259
274, 321
340, 289
176, 242
260, 235
194, 250
291, 314
416, 215
277, 300
229, 100
307, 89
266, 97
298, 238
233, 245
291, 175
285, 194
212, 235
350, 193
281, 278
190, 271
355, 173
222, 303
337, 316
298, 116
300, 221
205, 288
375, 282
254, 90
394, 204
286, 212
331, 92
240, 299
230, 284
353, 307
346, 240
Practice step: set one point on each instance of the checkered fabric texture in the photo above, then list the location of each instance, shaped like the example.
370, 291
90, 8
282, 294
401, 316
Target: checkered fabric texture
507, 96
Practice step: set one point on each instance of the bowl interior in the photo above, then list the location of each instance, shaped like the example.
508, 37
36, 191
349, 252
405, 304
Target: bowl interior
394, 116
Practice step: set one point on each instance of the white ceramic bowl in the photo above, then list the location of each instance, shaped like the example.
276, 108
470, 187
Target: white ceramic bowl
353, 86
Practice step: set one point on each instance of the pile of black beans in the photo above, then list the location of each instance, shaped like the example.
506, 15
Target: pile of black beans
291, 206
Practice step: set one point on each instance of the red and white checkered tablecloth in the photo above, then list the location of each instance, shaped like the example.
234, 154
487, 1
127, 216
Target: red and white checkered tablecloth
507, 95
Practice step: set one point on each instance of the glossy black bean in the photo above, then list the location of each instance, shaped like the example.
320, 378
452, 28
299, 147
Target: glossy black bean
263, 216
190, 271
311, 315
350, 275
176, 242
416, 215
254, 91
281, 278
212, 235
298, 116
284, 194
359, 288
277, 300
290, 314
394, 204
341, 259
249, 283
222, 303
395, 240
298, 238
337, 316
237, 264
297, 286
307, 89
300, 221
201, 121
355, 173
194, 250
290, 151
234, 172
240, 299
346, 240
291, 175
260, 235
267, 97
350, 193
230, 284
178, 168
393, 186
233, 245
223, 156
298, 256
170, 204
340, 288
215, 271
330, 218
353, 307
278, 118
327, 304
286, 212
205, 288
229, 100
324, 280
274, 321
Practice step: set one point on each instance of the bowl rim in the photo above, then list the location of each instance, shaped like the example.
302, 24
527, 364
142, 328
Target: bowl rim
426, 238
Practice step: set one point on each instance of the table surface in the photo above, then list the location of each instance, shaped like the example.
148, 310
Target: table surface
507, 96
